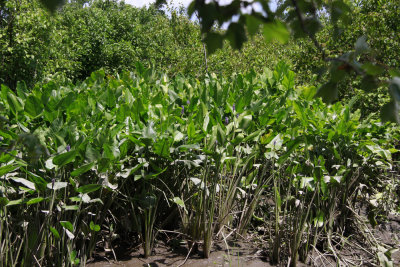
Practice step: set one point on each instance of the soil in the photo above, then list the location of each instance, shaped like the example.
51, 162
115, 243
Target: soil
238, 254
251, 254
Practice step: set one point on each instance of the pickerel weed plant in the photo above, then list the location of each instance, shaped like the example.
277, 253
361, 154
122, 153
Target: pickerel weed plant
83, 164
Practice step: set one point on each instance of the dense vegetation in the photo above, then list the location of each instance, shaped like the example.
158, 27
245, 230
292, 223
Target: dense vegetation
115, 121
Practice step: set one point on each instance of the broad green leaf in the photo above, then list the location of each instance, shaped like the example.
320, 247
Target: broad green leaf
88, 188
244, 121
67, 225
361, 45
91, 154
33, 106
238, 139
149, 132
34, 200
236, 35
14, 102
64, 158
372, 69
39, 182
276, 31
161, 147
213, 41
253, 135
8, 168
55, 232
15, 202
390, 112
328, 92
252, 24
191, 131
82, 169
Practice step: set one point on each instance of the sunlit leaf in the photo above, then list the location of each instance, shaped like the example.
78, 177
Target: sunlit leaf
276, 31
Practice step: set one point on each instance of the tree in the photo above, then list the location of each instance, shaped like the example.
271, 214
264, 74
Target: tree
302, 18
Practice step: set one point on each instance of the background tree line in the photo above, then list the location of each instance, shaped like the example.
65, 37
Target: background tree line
84, 36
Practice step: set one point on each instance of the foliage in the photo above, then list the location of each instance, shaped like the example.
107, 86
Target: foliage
24, 41
112, 155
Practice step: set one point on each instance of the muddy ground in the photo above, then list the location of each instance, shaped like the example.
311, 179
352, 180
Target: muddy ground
253, 253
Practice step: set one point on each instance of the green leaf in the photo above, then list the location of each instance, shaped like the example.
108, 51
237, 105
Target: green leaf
191, 131
328, 92
94, 227
55, 232
3, 201
372, 69
292, 146
213, 41
33, 106
161, 147
238, 139
34, 200
67, 225
236, 35
390, 112
149, 132
368, 83
52, 5
276, 31
82, 169
88, 188
361, 45
15, 202
91, 154
252, 24
319, 219
244, 121
40, 183
253, 135
8, 168
64, 158
14, 102
179, 202
72, 257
